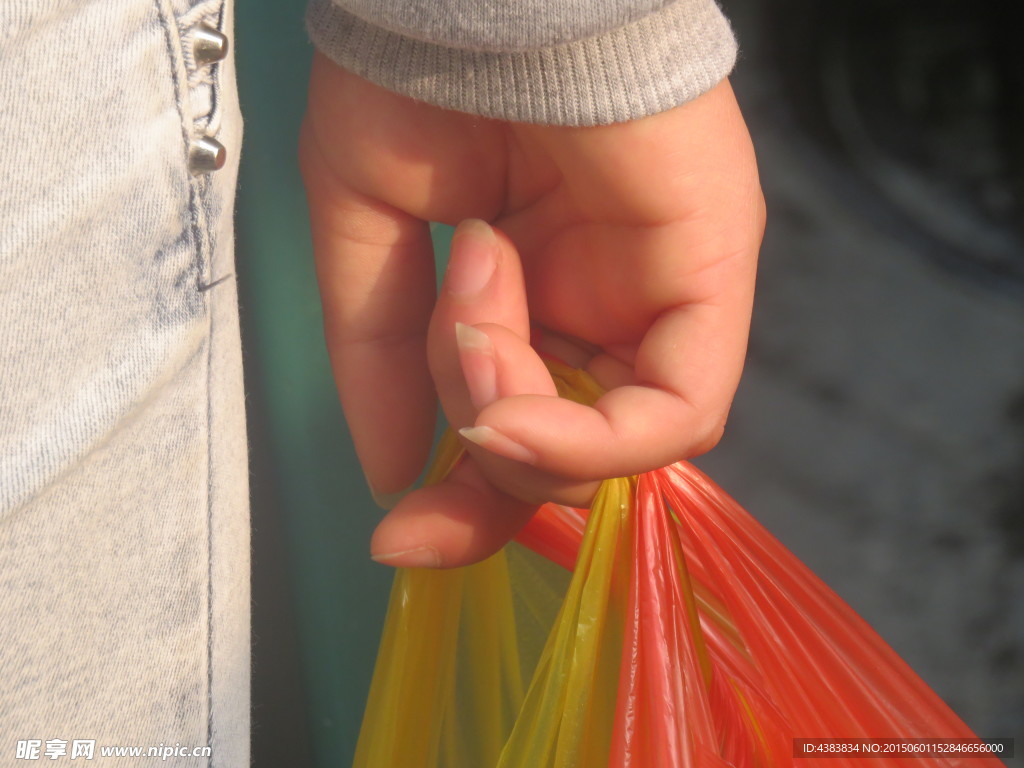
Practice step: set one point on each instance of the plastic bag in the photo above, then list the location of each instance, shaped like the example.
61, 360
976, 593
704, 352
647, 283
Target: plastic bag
665, 628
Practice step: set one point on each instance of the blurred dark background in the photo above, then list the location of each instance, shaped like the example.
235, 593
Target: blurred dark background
879, 429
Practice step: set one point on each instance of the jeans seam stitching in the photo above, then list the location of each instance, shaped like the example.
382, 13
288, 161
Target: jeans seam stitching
172, 33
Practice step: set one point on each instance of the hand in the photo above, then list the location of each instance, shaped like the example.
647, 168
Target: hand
633, 245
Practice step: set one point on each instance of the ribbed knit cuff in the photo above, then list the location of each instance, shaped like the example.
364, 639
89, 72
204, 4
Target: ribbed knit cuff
658, 62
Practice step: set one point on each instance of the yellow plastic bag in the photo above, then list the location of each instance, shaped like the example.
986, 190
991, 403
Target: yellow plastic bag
673, 632
475, 672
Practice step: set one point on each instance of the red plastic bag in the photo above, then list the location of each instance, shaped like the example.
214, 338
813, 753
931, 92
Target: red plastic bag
687, 637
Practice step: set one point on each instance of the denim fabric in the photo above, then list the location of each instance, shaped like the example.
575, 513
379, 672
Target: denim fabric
124, 549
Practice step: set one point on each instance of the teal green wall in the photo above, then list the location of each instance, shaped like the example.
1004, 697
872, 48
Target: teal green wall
318, 600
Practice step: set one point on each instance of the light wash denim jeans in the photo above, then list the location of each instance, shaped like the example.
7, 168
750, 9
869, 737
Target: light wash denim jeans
124, 542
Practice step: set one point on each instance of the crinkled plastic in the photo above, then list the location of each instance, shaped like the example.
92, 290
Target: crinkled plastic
665, 628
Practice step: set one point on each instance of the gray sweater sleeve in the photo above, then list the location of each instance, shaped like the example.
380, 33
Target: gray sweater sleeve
556, 62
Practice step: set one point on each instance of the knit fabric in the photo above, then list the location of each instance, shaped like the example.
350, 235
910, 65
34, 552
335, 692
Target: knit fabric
574, 63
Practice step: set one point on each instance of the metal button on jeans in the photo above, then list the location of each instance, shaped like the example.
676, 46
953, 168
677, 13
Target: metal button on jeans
206, 154
208, 45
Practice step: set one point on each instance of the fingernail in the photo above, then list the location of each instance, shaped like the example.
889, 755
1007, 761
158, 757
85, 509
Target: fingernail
495, 442
472, 260
420, 557
479, 367
390, 500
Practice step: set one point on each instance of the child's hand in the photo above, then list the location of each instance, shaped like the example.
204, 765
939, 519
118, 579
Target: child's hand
637, 246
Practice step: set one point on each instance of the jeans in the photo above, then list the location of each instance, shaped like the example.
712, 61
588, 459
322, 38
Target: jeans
124, 540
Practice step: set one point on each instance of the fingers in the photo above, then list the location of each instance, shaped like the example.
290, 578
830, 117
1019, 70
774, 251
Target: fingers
529, 443
483, 284
375, 271
674, 405
489, 357
487, 499
377, 167
461, 521
497, 363
671, 285
645, 249
466, 517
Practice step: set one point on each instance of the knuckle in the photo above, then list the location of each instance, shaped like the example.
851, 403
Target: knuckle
708, 435
760, 215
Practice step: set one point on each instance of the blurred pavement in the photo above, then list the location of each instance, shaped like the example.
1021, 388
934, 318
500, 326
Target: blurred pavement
879, 428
